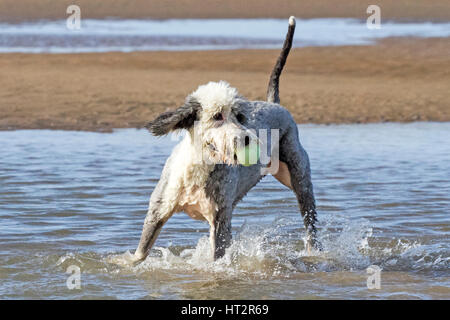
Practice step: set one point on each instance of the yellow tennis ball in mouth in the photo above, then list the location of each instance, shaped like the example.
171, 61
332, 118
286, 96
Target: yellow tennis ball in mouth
248, 155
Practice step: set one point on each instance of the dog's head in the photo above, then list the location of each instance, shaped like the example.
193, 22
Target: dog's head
215, 116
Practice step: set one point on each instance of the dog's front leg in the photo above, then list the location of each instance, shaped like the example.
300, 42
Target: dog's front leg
220, 232
152, 227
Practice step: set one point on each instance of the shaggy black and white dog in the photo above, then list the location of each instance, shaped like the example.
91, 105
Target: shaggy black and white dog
204, 176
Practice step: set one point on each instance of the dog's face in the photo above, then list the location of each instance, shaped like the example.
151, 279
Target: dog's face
215, 116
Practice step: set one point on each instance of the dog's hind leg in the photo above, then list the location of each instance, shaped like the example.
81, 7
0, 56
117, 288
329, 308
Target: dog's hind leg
296, 162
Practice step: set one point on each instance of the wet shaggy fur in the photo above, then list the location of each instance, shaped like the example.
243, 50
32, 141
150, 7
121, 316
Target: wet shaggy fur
184, 117
203, 178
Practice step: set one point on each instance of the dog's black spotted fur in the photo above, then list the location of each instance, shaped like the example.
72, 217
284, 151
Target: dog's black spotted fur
182, 118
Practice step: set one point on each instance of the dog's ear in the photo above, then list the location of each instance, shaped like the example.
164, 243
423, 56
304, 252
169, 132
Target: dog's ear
182, 118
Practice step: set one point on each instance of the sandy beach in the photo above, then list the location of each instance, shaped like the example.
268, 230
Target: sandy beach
410, 10
400, 80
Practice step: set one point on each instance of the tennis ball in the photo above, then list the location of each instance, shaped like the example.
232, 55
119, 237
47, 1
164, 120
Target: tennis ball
248, 155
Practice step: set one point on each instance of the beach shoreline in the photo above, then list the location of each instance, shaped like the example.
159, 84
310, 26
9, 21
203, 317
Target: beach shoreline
397, 80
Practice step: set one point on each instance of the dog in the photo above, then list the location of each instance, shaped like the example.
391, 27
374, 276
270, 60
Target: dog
203, 176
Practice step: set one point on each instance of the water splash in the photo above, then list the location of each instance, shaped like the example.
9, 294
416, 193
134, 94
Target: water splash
276, 249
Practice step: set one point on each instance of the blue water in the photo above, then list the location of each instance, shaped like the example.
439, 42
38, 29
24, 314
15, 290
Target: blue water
79, 198
200, 34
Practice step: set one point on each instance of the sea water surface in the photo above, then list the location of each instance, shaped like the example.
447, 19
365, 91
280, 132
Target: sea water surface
200, 34
80, 198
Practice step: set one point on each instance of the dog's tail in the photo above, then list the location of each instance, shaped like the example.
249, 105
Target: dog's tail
272, 90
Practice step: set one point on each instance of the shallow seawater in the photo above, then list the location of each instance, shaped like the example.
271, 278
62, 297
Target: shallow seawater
80, 198
127, 35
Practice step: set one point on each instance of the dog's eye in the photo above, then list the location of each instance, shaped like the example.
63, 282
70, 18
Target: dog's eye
218, 117
240, 118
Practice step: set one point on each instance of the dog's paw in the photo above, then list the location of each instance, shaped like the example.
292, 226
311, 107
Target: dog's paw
313, 247
125, 259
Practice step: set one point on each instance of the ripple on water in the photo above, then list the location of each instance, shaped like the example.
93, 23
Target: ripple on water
84, 204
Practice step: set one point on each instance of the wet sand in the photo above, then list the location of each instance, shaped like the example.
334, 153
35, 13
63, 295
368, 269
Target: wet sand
19, 10
397, 80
